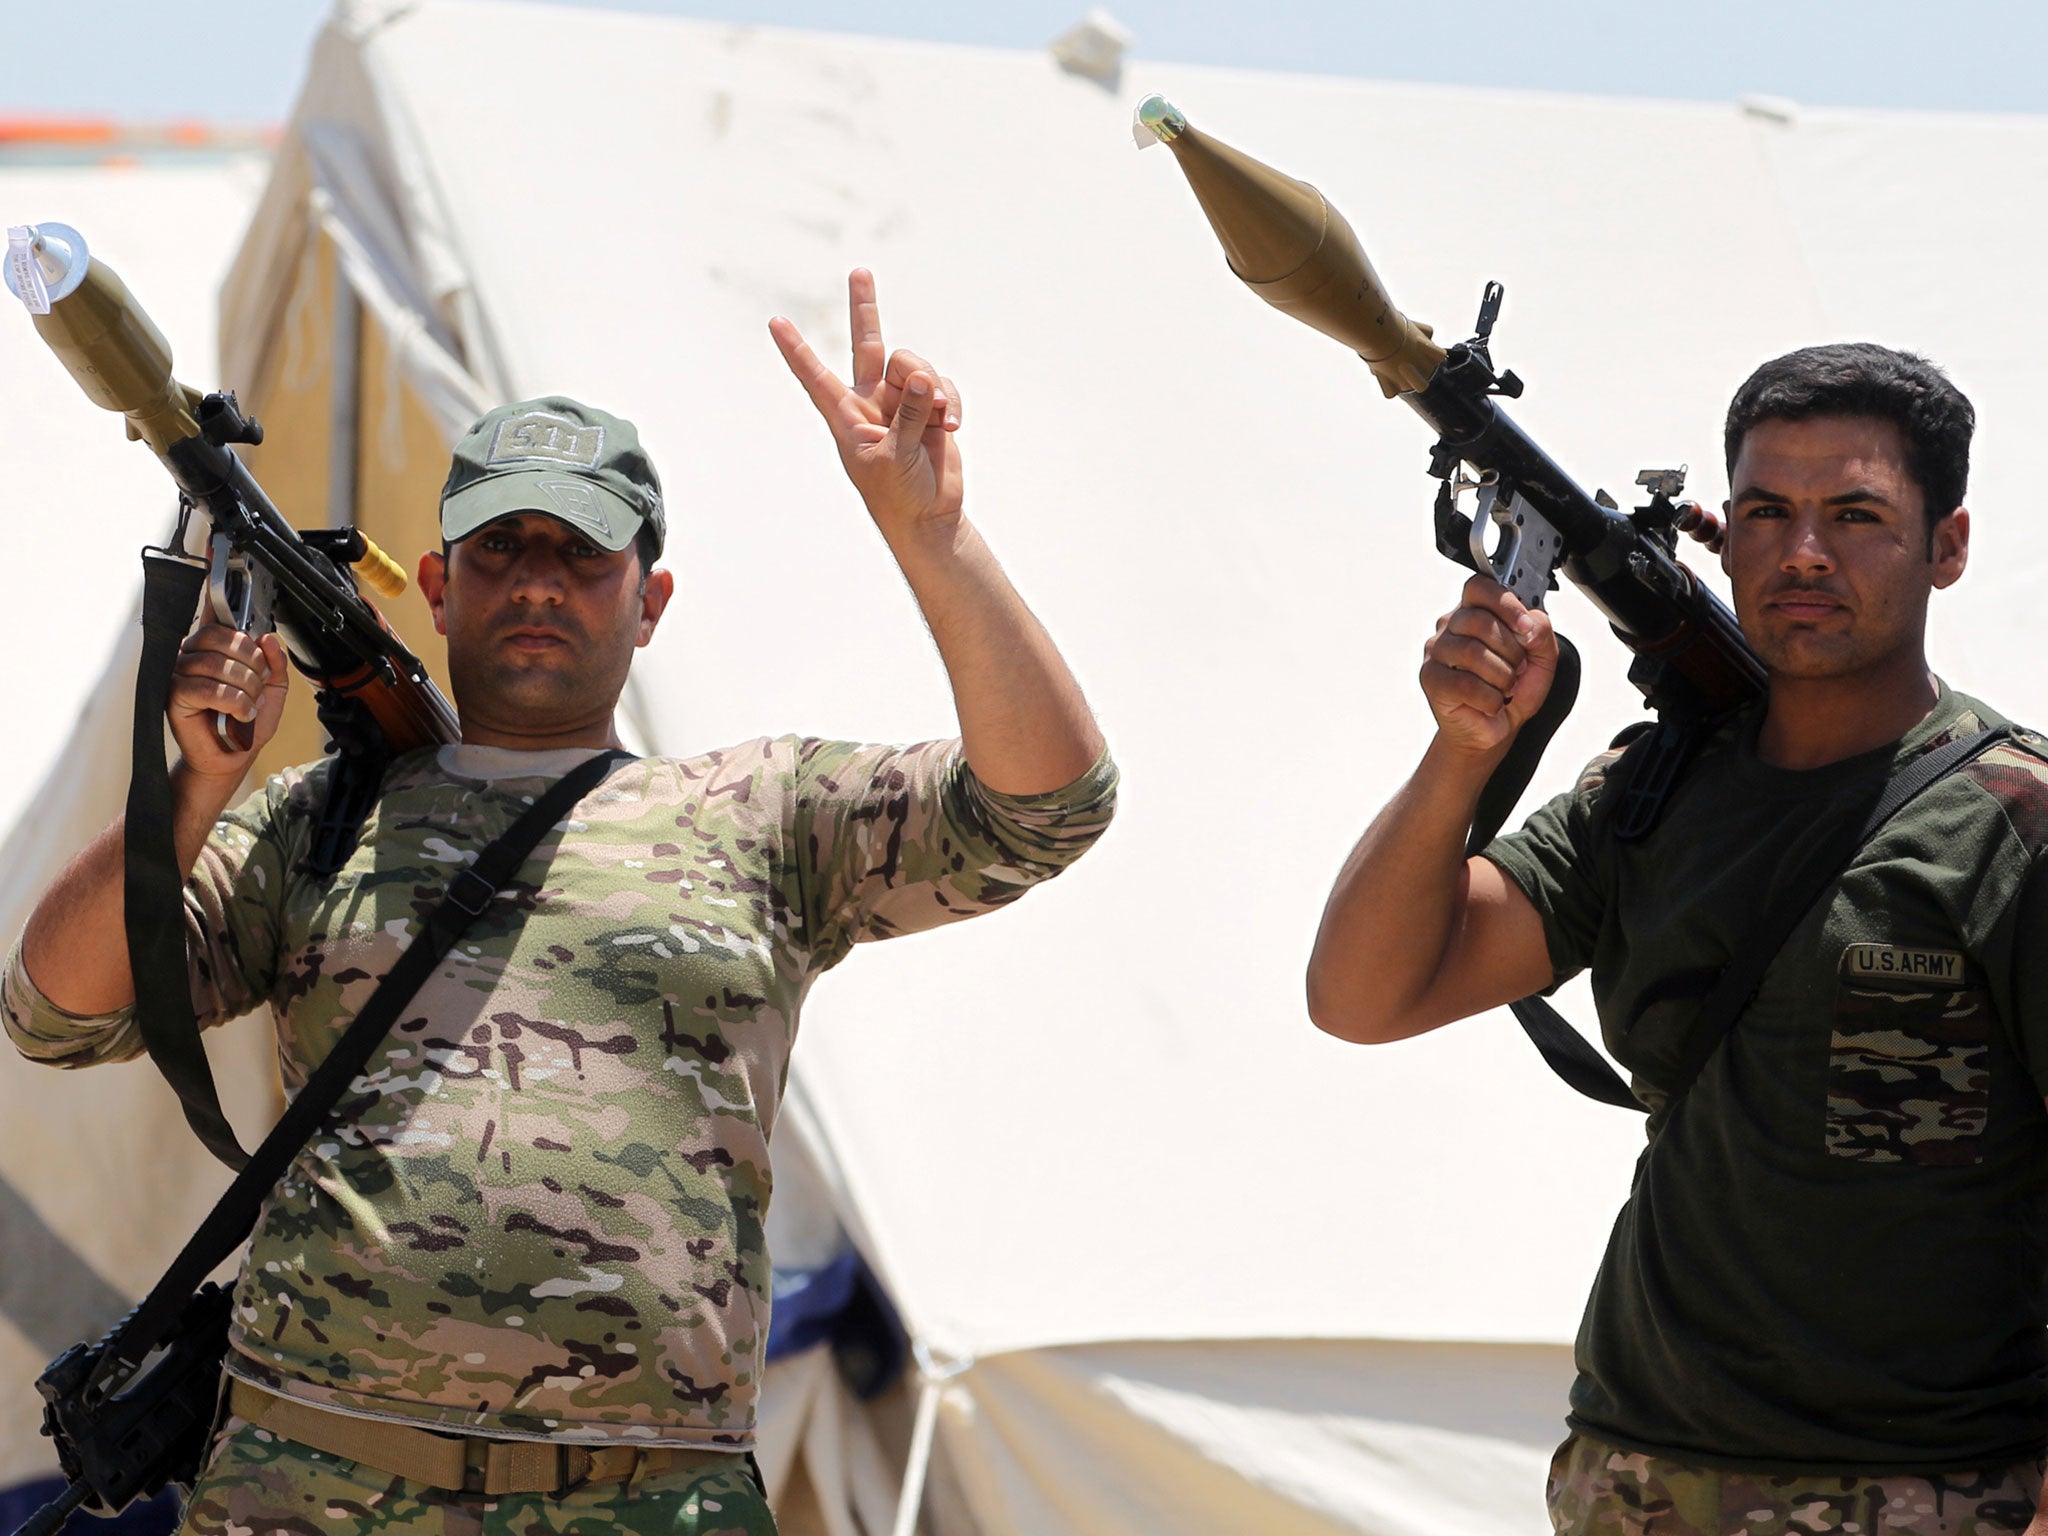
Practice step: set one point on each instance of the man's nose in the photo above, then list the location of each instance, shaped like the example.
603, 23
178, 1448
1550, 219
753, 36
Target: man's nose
1806, 547
537, 578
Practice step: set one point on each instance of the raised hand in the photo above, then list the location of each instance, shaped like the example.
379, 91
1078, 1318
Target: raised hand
893, 425
222, 671
1487, 667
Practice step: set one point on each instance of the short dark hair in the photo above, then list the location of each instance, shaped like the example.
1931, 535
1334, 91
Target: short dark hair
1860, 378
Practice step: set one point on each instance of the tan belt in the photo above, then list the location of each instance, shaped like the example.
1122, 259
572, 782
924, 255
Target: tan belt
462, 1464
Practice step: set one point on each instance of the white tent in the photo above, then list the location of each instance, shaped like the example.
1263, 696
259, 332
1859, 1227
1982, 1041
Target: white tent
1172, 1260
99, 1180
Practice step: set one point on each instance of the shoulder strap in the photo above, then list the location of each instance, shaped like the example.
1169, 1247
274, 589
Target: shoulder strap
1571, 1055
153, 890
234, 1215
1575, 1060
1800, 888
1564, 1050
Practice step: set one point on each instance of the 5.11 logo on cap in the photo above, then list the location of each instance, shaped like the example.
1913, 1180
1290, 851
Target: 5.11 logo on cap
540, 435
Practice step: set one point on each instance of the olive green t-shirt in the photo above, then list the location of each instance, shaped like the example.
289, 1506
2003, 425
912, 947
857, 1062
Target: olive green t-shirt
1835, 1254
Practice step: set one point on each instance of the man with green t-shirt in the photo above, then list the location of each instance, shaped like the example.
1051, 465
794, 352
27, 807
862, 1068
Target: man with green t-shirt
519, 1282
1822, 1307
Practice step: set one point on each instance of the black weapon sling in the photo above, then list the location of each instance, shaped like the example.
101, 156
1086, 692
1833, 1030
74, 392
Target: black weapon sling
153, 893
1572, 1057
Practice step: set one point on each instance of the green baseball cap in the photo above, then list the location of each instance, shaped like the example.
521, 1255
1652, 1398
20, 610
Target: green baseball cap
557, 456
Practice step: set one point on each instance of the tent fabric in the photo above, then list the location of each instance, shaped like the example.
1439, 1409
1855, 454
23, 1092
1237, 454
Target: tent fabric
1243, 1438
1175, 1260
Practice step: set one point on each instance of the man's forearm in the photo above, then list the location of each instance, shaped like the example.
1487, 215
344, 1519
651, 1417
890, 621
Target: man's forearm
1024, 723
1392, 913
75, 945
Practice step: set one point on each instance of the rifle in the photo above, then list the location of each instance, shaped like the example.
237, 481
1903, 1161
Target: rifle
128, 1428
372, 695
1294, 250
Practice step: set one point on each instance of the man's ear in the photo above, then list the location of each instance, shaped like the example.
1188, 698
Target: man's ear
433, 579
661, 586
1727, 533
1949, 550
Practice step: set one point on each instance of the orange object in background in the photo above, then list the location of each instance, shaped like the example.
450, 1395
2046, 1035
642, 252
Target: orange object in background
110, 141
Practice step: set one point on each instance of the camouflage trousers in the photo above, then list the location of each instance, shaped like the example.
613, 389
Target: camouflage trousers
257, 1484
1598, 1490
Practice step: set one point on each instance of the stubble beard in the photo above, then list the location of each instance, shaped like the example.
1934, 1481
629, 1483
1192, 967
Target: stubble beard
542, 696
1871, 643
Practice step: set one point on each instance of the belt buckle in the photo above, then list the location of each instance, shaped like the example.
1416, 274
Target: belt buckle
522, 1466
492, 1467
577, 1464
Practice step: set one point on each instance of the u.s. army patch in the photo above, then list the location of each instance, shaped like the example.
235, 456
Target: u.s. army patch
1894, 962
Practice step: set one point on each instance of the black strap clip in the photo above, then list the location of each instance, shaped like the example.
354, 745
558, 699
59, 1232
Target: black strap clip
470, 892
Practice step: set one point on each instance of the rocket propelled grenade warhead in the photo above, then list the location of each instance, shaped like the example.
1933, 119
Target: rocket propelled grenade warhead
108, 343
1292, 249
101, 335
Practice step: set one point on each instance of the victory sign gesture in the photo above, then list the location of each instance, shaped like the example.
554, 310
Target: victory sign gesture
893, 425
1025, 727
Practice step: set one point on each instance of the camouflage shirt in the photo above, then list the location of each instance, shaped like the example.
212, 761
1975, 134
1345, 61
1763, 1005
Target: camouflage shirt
538, 1212
1835, 1255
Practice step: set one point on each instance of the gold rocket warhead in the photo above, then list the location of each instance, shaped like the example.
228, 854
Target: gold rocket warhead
101, 335
108, 343
1292, 249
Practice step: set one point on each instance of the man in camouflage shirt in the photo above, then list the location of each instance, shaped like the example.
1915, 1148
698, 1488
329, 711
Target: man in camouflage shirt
1822, 1307
531, 1237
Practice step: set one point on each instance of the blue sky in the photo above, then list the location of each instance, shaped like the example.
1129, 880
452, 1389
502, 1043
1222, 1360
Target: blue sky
238, 61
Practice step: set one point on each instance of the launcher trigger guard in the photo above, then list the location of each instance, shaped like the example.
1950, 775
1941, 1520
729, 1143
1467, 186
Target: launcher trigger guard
1528, 550
242, 594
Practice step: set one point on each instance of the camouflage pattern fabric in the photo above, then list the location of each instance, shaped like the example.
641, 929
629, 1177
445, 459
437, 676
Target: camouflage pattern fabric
259, 1485
1597, 1489
1833, 1253
540, 1212
1909, 1074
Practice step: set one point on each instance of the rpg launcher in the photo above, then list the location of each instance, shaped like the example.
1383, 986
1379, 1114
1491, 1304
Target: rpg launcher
1295, 251
373, 695
258, 574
